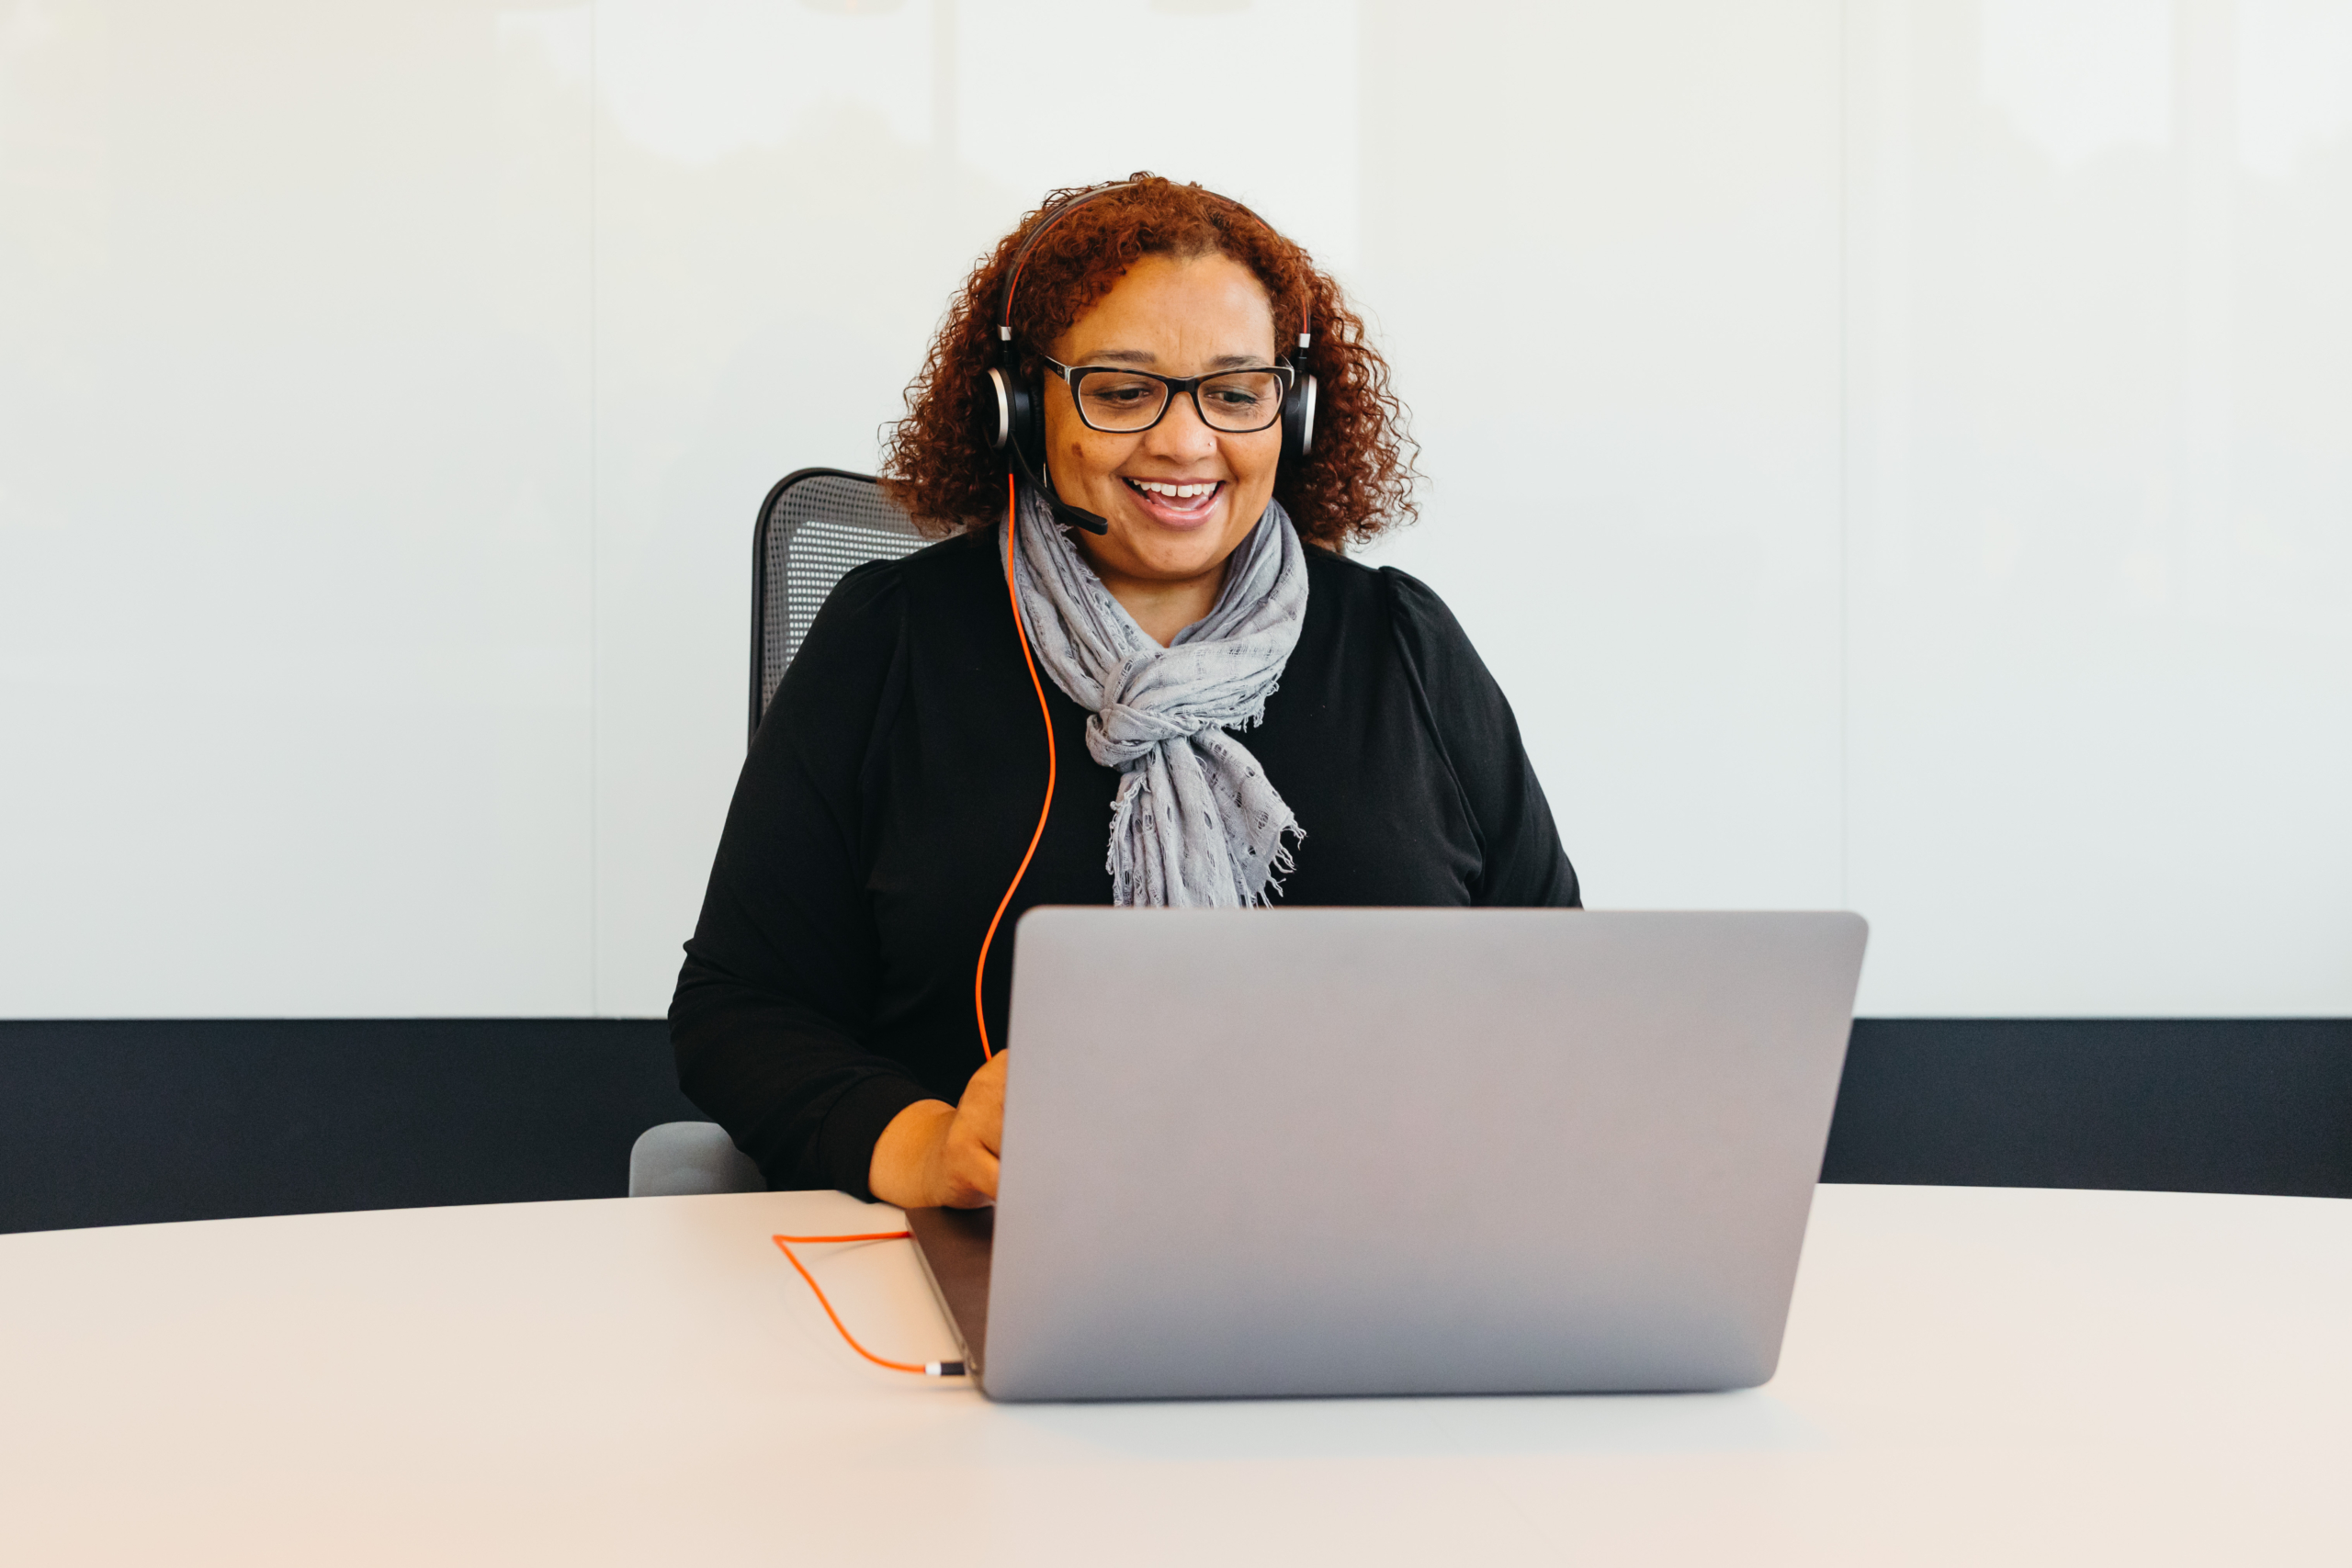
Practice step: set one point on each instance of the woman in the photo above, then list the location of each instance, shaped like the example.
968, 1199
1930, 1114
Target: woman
1244, 713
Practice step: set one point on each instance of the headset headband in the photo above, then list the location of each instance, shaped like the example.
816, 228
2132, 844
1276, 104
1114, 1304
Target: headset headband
1021, 257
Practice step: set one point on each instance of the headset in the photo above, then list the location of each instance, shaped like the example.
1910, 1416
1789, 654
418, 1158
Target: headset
1012, 413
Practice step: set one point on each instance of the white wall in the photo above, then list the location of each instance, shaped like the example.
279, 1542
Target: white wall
295, 514
1893, 454
2099, 468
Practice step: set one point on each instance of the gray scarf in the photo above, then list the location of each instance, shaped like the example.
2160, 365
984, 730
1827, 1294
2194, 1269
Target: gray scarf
1197, 821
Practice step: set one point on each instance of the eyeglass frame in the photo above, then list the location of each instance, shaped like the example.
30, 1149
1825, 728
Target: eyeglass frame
1190, 385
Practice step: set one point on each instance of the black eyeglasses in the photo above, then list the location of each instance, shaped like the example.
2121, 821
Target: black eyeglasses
1123, 402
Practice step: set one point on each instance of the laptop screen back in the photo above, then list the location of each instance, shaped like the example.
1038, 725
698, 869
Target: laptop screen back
1409, 1151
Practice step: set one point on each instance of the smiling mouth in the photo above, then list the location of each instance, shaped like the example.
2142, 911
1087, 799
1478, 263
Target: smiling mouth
1178, 495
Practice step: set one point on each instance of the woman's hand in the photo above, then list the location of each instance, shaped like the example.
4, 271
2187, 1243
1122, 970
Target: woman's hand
933, 1155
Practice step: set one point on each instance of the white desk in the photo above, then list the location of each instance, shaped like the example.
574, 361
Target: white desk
1972, 1377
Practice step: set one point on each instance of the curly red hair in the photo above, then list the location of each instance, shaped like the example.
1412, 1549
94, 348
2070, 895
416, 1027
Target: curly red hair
1356, 481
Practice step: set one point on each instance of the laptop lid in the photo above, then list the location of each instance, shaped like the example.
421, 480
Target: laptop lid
1256, 1153
953, 1246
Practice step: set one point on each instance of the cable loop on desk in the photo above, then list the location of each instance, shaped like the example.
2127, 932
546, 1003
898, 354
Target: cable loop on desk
922, 1369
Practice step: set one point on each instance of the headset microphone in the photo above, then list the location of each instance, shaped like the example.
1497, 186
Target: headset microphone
1012, 420
1016, 417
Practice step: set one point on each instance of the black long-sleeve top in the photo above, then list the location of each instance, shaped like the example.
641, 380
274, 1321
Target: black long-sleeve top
894, 783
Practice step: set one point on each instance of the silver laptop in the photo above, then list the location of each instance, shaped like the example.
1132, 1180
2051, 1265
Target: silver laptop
1258, 1153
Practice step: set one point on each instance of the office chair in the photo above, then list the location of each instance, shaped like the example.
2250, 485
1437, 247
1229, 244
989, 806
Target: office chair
813, 527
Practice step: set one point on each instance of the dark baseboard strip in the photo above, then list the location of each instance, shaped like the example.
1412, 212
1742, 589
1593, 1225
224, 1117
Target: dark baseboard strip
109, 1123
2166, 1105
129, 1123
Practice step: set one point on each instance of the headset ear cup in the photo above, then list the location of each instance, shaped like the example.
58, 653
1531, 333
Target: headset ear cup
994, 411
1007, 414
1024, 421
1298, 421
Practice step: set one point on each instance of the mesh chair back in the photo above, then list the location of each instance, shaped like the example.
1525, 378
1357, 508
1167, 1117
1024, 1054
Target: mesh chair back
814, 525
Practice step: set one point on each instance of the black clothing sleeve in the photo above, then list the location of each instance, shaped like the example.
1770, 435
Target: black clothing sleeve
776, 994
1520, 860
893, 787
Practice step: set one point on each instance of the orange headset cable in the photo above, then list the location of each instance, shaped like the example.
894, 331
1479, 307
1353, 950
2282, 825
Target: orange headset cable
927, 1369
1012, 543
1053, 771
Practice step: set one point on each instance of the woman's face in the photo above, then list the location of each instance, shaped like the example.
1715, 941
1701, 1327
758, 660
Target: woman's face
1187, 316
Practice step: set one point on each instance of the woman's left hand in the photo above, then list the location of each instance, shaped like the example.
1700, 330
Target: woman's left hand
934, 1155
